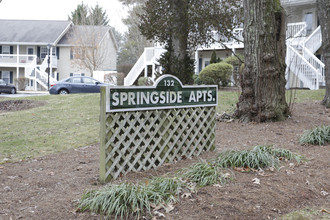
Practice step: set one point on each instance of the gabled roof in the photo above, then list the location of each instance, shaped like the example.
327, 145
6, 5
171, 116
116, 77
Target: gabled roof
76, 32
32, 32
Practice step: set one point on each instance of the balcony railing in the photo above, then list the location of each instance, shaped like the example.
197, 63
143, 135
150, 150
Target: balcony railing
14, 60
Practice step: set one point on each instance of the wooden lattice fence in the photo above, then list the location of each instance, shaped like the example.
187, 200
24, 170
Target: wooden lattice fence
145, 139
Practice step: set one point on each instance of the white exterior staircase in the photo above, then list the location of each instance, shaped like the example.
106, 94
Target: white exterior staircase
38, 73
149, 57
300, 58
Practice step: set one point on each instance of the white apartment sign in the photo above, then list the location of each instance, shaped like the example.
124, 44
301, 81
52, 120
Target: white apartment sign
168, 92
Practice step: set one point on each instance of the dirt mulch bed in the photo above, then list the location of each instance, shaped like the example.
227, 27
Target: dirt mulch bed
49, 187
18, 105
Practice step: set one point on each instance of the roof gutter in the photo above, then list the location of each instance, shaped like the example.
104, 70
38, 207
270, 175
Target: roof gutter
62, 34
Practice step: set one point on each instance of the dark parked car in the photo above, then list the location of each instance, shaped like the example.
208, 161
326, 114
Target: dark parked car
7, 88
76, 84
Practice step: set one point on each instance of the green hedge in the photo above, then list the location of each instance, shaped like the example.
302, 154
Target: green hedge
216, 74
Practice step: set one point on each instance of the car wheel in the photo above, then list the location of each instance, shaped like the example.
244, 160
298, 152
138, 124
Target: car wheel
13, 91
63, 92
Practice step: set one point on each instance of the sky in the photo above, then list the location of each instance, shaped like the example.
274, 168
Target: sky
59, 10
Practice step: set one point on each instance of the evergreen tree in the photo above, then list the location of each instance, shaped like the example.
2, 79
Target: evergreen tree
98, 16
185, 24
80, 15
84, 15
213, 57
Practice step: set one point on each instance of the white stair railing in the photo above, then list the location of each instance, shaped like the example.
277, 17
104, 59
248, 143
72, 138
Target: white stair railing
302, 69
135, 71
300, 57
314, 41
149, 56
29, 70
295, 30
316, 63
42, 75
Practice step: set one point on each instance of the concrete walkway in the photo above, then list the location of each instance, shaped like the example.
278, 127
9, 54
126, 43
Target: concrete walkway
24, 94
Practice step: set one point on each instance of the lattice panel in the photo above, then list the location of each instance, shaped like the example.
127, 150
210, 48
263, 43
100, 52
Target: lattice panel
136, 141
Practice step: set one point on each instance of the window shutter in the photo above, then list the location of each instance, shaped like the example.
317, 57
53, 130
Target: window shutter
11, 76
11, 50
38, 51
0, 73
83, 74
57, 76
58, 52
71, 54
71, 74
0, 49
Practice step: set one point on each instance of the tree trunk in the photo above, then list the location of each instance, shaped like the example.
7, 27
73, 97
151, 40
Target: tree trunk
323, 11
263, 79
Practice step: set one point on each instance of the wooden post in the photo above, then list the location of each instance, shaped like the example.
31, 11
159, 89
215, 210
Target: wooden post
102, 134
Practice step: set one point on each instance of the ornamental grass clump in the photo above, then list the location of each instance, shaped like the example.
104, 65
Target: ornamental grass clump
122, 200
319, 135
171, 187
257, 157
204, 174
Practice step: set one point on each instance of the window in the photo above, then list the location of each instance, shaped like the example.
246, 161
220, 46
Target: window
44, 52
6, 76
30, 51
207, 62
75, 80
88, 80
77, 74
76, 53
5, 49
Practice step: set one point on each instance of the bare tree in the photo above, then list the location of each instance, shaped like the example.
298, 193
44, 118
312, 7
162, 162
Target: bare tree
89, 47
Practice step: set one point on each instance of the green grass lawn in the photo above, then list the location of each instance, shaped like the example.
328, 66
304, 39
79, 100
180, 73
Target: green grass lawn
227, 99
65, 122
73, 121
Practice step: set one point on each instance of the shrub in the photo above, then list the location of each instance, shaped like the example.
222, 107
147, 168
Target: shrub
22, 83
217, 73
213, 57
122, 200
204, 174
237, 64
197, 80
145, 81
319, 135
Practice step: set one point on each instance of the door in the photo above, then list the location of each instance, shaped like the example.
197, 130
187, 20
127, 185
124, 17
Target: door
90, 85
309, 22
75, 85
30, 51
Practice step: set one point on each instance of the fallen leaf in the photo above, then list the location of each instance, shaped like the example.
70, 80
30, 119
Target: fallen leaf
326, 211
256, 181
217, 185
159, 214
226, 175
186, 195
242, 169
169, 208
324, 193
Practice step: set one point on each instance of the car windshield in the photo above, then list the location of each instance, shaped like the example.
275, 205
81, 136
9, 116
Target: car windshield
2, 82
